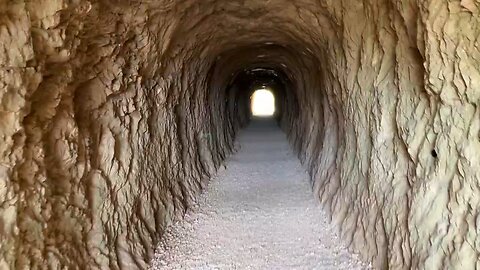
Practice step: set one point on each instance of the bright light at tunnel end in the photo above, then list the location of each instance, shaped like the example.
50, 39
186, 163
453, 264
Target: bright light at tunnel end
263, 103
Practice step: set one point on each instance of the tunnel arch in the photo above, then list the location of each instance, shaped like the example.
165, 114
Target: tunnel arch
244, 83
114, 115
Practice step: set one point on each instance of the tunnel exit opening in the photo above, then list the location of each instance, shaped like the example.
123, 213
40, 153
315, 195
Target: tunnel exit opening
262, 103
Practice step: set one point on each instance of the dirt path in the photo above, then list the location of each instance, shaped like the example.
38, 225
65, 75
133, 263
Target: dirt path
260, 213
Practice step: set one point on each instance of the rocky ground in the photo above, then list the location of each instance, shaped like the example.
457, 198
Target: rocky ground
259, 213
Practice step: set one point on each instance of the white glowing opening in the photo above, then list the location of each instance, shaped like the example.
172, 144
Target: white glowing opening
263, 103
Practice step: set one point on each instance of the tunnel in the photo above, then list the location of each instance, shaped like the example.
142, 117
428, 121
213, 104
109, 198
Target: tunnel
115, 116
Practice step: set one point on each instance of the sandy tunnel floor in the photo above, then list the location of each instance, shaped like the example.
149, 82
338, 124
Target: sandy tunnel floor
259, 213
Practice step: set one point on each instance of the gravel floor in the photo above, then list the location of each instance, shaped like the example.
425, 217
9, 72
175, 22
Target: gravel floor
259, 213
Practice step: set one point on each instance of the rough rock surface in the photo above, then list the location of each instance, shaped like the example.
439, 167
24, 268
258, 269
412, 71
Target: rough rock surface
113, 115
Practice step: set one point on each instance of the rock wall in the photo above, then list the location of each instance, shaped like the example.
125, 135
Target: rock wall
394, 157
107, 132
114, 114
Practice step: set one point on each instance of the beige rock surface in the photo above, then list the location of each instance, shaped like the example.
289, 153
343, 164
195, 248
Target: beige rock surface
114, 114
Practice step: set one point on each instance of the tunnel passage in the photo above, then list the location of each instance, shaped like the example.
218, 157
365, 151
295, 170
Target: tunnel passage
245, 82
114, 115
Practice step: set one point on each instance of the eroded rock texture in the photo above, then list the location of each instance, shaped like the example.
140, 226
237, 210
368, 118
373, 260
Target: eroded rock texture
114, 114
